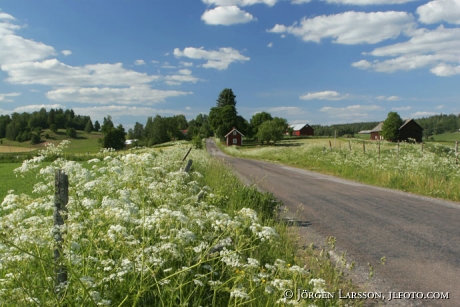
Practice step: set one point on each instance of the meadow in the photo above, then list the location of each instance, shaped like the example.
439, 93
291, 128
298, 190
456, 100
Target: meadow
140, 231
430, 169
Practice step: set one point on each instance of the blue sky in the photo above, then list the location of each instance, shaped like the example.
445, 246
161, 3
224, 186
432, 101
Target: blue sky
316, 62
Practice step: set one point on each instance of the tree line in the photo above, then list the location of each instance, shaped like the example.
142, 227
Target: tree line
262, 126
28, 126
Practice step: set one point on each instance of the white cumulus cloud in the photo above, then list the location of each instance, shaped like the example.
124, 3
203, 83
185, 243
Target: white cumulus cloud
439, 49
440, 10
353, 112
4, 97
139, 62
218, 59
66, 52
15, 48
239, 2
326, 95
350, 27
55, 73
368, 2
226, 15
36, 107
141, 94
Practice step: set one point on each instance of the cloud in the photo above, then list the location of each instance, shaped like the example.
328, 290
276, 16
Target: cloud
4, 97
287, 110
440, 107
15, 49
440, 10
36, 107
186, 64
350, 27
270, 45
388, 98
239, 2
218, 59
368, 2
354, 112
326, 95
183, 75
117, 111
226, 16
139, 62
300, 1
401, 108
55, 73
66, 52
141, 94
438, 49
422, 114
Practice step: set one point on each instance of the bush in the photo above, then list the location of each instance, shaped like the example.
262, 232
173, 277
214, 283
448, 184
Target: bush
71, 132
35, 139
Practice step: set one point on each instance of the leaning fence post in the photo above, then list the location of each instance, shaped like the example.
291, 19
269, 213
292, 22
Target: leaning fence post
61, 197
185, 157
349, 145
330, 145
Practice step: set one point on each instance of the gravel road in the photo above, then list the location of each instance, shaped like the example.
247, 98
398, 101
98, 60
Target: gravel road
419, 236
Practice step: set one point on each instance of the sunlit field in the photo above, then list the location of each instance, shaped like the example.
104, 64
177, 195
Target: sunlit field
429, 169
140, 231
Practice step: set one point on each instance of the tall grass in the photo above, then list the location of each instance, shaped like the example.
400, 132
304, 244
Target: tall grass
431, 172
141, 232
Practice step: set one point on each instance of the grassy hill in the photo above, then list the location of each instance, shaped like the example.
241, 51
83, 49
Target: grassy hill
85, 142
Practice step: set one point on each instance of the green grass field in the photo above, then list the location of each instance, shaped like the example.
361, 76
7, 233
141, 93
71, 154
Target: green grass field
9, 181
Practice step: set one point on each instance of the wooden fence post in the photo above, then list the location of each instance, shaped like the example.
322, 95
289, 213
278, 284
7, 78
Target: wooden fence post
61, 197
349, 145
456, 152
188, 166
379, 150
364, 147
330, 145
185, 157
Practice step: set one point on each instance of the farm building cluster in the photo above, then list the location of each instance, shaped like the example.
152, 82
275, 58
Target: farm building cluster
408, 130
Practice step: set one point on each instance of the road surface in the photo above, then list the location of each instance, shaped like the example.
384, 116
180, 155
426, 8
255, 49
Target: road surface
419, 236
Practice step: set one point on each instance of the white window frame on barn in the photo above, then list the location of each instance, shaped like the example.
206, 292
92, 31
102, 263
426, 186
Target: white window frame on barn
235, 141
234, 132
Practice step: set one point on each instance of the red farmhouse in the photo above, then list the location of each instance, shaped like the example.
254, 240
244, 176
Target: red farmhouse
234, 137
302, 130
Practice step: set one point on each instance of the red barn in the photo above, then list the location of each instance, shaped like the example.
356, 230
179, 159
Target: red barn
302, 130
234, 137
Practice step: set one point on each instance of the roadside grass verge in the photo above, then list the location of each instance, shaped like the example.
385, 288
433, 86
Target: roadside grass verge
431, 172
141, 232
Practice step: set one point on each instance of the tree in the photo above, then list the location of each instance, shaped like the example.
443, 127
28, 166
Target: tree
226, 98
271, 130
222, 119
390, 129
89, 127
107, 124
257, 119
97, 126
114, 138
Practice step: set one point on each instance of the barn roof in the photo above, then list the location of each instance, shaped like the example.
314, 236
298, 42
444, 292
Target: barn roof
232, 131
298, 126
406, 121
378, 128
